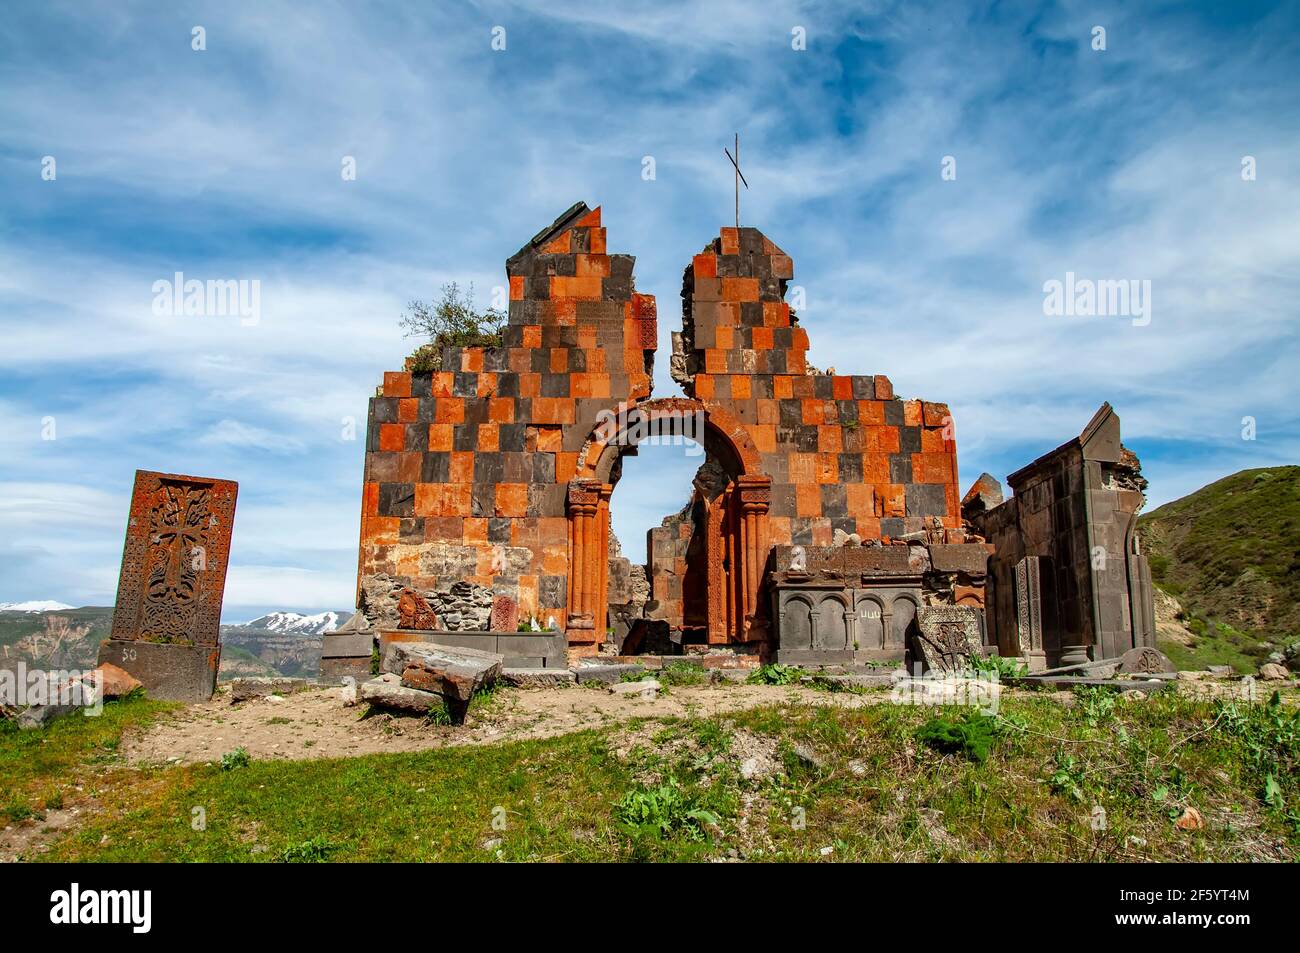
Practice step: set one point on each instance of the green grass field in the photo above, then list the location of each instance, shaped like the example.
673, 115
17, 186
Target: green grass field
1106, 779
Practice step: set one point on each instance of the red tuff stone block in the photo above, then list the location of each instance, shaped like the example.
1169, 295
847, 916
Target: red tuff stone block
762, 338
559, 360
783, 388
487, 384
776, 314
912, 413
532, 336
706, 266
894, 499
449, 410
530, 385
704, 388
370, 500
560, 244
587, 287
740, 387
489, 438
858, 497
799, 340
441, 384
392, 437
935, 415
808, 500
512, 499
408, 409
471, 360
884, 389
842, 387
589, 265
462, 467
590, 220
828, 468
596, 241
829, 439
397, 384
501, 410
516, 287
730, 244
740, 289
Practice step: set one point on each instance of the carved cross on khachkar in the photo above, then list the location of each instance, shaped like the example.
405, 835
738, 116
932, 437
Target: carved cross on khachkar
740, 176
166, 622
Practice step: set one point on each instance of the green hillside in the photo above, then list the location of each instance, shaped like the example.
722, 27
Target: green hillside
1230, 553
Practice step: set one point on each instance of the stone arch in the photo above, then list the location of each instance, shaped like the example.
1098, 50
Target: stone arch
616, 432
796, 623
871, 628
734, 521
831, 633
902, 612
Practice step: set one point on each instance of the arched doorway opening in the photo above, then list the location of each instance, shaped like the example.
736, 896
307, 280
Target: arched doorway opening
721, 545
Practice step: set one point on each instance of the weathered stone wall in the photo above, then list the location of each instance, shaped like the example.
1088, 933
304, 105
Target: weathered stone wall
1074, 515
842, 451
467, 468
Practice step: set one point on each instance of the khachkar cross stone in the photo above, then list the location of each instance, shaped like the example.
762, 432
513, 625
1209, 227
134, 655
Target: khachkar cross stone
947, 637
167, 619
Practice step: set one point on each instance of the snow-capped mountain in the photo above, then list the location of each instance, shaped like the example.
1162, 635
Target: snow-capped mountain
37, 605
293, 623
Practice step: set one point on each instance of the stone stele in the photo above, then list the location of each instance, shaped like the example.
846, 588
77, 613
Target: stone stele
947, 637
166, 622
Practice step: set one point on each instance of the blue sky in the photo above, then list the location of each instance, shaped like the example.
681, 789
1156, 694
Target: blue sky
225, 164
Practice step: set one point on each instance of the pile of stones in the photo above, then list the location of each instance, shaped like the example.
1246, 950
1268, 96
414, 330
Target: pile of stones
462, 607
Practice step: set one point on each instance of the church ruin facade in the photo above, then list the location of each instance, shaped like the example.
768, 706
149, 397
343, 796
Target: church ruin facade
825, 519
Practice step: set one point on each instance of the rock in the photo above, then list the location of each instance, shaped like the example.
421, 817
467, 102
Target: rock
38, 716
808, 756
1277, 658
242, 689
117, 682
1272, 672
1145, 661
1133, 694
537, 677
605, 674
646, 688
858, 768
454, 673
387, 691
1221, 670
348, 693
1191, 820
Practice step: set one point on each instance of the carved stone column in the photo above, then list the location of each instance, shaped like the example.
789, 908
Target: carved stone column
600, 557
584, 540
755, 496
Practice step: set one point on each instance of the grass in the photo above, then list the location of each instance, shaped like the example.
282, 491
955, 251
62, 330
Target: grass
41, 769
866, 783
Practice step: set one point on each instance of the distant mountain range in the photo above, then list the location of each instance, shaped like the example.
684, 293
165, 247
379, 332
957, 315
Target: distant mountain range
53, 634
44, 605
293, 623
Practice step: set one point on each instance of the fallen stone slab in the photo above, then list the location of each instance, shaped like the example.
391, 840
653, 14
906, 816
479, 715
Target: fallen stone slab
605, 674
1272, 672
454, 673
242, 689
1066, 682
387, 691
854, 679
537, 677
645, 688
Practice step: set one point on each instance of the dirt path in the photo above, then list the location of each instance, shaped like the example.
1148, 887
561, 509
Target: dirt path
315, 724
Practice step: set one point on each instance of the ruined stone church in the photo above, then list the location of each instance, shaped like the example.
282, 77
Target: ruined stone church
825, 526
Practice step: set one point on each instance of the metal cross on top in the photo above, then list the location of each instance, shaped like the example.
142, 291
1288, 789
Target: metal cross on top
740, 176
